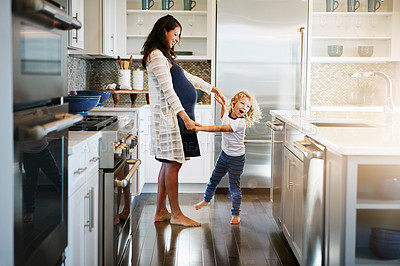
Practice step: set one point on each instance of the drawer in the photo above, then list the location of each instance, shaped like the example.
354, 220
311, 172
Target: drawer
76, 170
292, 135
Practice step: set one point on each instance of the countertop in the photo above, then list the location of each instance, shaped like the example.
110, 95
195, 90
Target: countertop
131, 107
380, 140
77, 137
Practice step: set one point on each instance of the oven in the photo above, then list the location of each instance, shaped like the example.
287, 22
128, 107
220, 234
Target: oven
41, 122
118, 181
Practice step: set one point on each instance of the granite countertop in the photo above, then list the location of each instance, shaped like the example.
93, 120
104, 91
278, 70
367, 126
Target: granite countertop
380, 139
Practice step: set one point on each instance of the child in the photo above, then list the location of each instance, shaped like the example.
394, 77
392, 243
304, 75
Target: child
243, 111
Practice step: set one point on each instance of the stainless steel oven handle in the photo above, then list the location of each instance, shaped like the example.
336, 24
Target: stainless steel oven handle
62, 20
124, 182
257, 141
39, 132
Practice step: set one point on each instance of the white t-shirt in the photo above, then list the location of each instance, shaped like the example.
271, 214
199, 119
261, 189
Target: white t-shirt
233, 142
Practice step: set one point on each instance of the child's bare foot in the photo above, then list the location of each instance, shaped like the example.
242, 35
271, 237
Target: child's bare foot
162, 216
235, 219
28, 218
201, 204
184, 221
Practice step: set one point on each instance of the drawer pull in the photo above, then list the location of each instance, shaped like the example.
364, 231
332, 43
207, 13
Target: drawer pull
94, 159
80, 171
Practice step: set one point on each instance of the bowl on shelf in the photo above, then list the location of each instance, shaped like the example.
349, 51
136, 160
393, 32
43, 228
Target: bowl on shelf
104, 95
388, 188
385, 234
365, 51
335, 50
80, 104
384, 248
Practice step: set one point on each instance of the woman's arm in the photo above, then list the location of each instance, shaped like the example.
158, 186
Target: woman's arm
216, 128
223, 109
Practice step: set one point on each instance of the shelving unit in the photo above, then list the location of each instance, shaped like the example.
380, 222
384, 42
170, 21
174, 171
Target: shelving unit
365, 208
353, 29
197, 28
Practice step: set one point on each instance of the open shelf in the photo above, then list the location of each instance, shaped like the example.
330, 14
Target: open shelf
371, 201
160, 12
364, 256
322, 59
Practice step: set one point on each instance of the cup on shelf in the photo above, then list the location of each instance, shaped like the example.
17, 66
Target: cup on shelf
189, 4
147, 4
331, 5
373, 5
352, 5
167, 4
365, 51
335, 50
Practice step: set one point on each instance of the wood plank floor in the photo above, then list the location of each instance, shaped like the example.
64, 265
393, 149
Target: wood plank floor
256, 241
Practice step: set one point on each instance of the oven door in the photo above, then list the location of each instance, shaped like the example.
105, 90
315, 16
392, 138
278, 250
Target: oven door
116, 210
40, 172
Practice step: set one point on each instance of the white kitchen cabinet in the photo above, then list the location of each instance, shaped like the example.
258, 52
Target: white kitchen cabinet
76, 37
102, 28
353, 29
293, 202
83, 197
198, 28
196, 170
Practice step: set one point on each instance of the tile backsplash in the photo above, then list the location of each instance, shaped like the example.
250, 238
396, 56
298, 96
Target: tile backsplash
96, 74
331, 84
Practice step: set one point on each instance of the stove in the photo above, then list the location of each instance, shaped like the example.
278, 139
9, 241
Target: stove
94, 123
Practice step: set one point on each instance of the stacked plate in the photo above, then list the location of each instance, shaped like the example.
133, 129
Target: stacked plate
385, 243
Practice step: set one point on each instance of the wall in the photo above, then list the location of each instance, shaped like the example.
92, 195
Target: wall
96, 74
331, 84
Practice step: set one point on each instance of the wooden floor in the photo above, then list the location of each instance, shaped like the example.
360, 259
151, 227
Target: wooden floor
256, 241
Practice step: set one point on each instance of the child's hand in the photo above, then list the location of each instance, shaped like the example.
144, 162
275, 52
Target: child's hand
197, 127
218, 99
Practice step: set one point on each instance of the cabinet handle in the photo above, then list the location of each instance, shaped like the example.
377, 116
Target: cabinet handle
291, 164
91, 209
94, 159
87, 222
76, 31
80, 171
112, 37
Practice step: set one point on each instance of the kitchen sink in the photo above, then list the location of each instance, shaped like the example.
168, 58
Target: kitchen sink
341, 124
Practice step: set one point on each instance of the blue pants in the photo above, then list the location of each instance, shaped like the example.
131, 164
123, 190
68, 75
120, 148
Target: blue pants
234, 166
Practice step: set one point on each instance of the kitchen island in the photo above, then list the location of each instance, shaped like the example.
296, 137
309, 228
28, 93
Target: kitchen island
362, 155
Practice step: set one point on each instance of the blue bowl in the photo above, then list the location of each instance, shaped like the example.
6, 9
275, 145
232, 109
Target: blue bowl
385, 234
80, 104
385, 249
104, 95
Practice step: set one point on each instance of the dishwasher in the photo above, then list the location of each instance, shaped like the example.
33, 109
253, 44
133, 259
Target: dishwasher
277, 135
314, 205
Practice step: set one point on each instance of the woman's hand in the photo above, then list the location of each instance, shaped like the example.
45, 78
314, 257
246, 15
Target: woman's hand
219, 94
189, 123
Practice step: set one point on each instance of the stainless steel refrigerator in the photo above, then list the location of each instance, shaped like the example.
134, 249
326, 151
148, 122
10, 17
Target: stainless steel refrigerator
261, 48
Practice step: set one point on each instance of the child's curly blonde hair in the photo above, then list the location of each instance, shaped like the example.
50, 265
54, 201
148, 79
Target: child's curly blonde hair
254, 113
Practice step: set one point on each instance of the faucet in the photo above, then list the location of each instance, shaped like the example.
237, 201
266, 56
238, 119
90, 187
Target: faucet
389, 106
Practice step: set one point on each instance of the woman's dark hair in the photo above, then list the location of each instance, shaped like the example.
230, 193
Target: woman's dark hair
157, 40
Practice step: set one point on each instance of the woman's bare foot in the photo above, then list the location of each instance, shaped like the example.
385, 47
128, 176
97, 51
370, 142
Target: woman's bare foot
184, 221
28, 218
124, 215
235, 219
162, 216
201, 204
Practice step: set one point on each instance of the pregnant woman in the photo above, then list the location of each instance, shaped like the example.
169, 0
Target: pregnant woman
172, 100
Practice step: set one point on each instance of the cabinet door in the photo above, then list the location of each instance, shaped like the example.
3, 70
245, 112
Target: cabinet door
76, 217
76, 37
287, 190
91, 220
109, 27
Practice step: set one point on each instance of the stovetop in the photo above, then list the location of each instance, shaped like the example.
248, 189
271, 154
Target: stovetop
93, 123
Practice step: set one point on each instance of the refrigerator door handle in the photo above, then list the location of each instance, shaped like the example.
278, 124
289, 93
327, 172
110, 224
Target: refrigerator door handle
257, 141
303, 66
